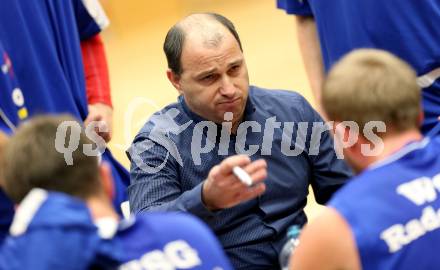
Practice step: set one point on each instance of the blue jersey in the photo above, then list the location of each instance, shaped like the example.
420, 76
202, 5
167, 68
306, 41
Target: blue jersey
6, 214
55, 231
12, 106
406, 28
393, 209
42, 39
163, 241
50, 231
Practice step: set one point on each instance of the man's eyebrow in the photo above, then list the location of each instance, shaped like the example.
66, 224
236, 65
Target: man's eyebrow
205, 72
236, 62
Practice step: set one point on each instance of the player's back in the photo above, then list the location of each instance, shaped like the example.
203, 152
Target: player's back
163, 241
50, 231
55, 231
393, 209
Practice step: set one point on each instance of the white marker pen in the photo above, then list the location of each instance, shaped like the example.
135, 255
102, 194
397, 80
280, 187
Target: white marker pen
241, 174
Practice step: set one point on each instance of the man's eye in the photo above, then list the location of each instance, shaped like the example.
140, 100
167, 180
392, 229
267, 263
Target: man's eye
208, 78
234, 68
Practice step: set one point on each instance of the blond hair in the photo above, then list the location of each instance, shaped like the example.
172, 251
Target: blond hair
33, 161
373, 85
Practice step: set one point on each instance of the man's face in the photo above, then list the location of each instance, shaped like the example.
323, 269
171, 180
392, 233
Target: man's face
214, 78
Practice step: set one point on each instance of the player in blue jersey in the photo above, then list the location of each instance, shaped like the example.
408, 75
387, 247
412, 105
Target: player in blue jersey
56, 52
327, 30
65, 219
387, 217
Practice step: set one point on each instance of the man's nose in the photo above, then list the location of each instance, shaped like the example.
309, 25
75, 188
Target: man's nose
227, 87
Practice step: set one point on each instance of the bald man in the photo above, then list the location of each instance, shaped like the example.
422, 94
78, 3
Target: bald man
218, 114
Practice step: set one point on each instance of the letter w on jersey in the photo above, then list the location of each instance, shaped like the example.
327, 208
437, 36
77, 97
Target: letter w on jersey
421, 190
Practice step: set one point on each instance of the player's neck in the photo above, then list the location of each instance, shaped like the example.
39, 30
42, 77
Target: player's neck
101, 207
393, 143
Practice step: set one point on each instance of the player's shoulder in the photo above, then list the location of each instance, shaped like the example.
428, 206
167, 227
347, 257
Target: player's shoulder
161, 120
276, 94
50, 230
330, 236
162, 221
170, 226
169, 235
41, 209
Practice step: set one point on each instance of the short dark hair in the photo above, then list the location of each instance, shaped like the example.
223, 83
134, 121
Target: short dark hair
32, 161
175, 38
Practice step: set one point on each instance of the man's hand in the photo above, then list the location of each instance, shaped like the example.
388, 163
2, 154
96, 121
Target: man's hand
222, 189
103, 113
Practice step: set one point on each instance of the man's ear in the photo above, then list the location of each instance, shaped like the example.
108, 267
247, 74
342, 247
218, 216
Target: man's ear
175, 80
105, 173
346, 135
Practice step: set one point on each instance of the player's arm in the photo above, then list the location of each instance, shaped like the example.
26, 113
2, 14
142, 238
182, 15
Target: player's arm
327, 244
91, 20
311, 53
61, 250
97, 84
329, 171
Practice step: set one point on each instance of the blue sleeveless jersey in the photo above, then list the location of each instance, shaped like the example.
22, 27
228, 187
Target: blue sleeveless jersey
406, 28
42, 41
163, 241
50, 231
393, 209
55, 231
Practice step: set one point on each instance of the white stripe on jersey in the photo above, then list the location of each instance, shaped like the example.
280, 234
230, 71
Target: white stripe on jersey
429, 78
399, 154
27, 210
6, 120
97, 12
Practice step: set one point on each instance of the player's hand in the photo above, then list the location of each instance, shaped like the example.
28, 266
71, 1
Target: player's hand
104, 114
222, 189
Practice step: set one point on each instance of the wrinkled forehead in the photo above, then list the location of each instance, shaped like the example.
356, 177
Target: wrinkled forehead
201, 51
204, 32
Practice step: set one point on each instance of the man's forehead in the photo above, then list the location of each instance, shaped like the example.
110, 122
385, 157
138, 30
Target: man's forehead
200, 48
205, 58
